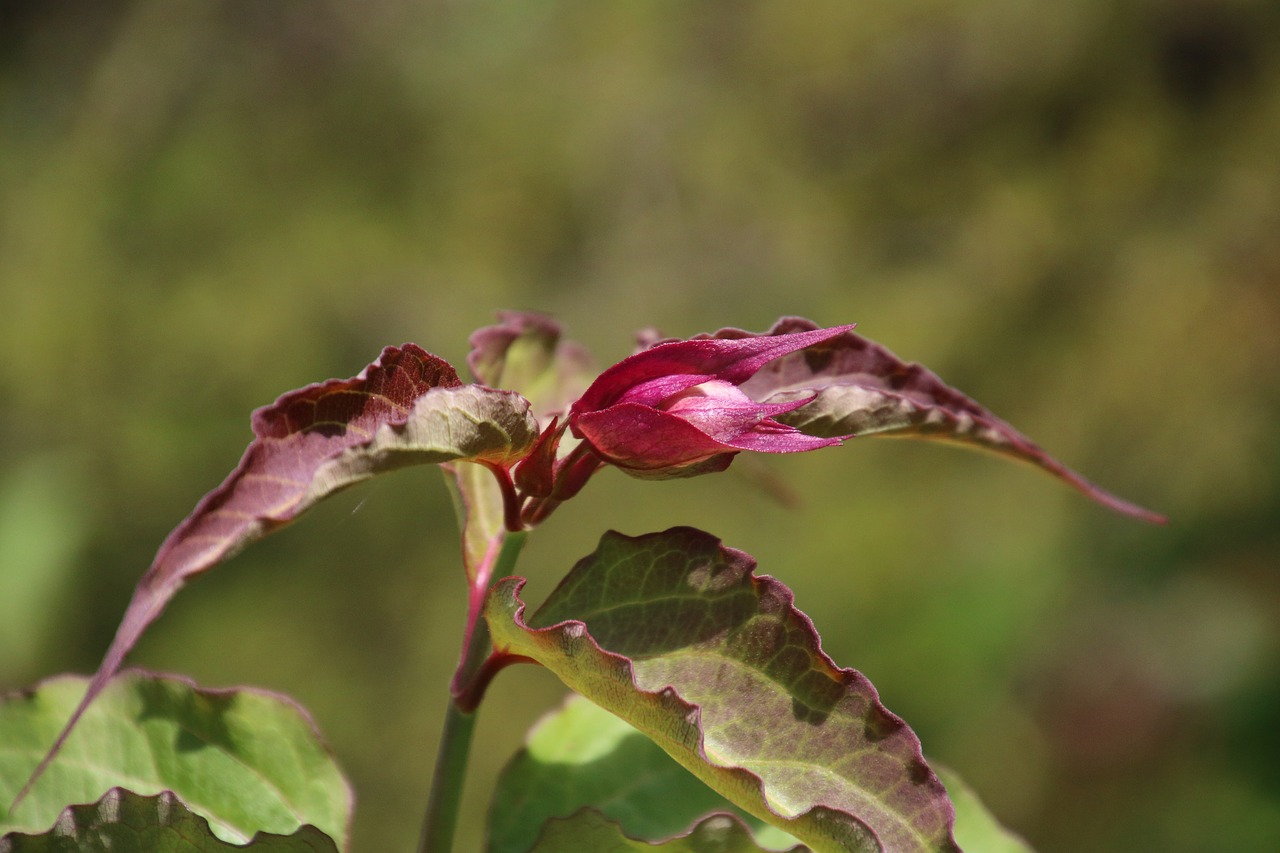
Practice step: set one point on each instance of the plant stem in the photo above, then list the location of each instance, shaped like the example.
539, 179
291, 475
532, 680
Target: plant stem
511, 499
446, 786
459, 725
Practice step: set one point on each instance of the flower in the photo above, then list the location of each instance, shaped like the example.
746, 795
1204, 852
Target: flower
676, 409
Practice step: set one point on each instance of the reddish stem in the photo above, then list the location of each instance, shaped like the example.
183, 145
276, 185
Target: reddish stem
468, 698
511, 499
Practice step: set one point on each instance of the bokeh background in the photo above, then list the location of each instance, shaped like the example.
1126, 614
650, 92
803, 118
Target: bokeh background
1069, 211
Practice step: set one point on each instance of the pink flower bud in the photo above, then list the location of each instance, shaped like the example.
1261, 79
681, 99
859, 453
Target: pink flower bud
676, 409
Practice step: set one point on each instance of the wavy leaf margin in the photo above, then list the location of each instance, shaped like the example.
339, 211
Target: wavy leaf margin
675, 634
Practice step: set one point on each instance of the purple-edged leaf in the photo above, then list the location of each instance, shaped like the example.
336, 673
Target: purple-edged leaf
863, 389
407, 408
589, 830
124, 821
675, 634
524, 352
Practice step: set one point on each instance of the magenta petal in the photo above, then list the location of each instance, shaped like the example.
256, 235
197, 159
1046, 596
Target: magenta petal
773, 437
654, 391
630, 435
701, 360
677, 406
724, 417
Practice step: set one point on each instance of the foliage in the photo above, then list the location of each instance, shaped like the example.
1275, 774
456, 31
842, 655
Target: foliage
672, 632
1070, 216
247, 761
123, 820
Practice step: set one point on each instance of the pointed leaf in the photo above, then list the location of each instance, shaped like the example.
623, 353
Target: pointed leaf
125, 821
588, 830
524, 352
863, 389
406, 408
673, 633
580, 755
246, 760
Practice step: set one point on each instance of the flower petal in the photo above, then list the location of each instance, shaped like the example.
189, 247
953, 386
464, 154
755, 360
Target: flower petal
722, 411
653, 375
639, 437
769, 436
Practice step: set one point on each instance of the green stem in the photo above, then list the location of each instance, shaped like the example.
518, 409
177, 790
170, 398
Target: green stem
446, 786
441, 820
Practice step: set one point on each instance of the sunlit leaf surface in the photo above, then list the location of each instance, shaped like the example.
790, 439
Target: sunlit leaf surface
673, 633
245, 760
580, 755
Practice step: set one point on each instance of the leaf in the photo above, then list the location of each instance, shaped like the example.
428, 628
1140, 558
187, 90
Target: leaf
406, 408
581, 755
246, 760
477, 500
977, 830
863, 389
673, 633
588, 830
125, 821
524, 352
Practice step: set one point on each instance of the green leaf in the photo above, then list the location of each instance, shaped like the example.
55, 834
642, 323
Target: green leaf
673, 633
581, 755
125, 821
407, 408
590, 831
977, 830
246, 760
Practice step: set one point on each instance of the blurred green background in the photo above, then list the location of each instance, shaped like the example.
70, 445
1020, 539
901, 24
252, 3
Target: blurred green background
1069, 211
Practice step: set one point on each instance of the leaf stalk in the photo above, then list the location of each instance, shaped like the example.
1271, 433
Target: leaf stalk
441, 819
